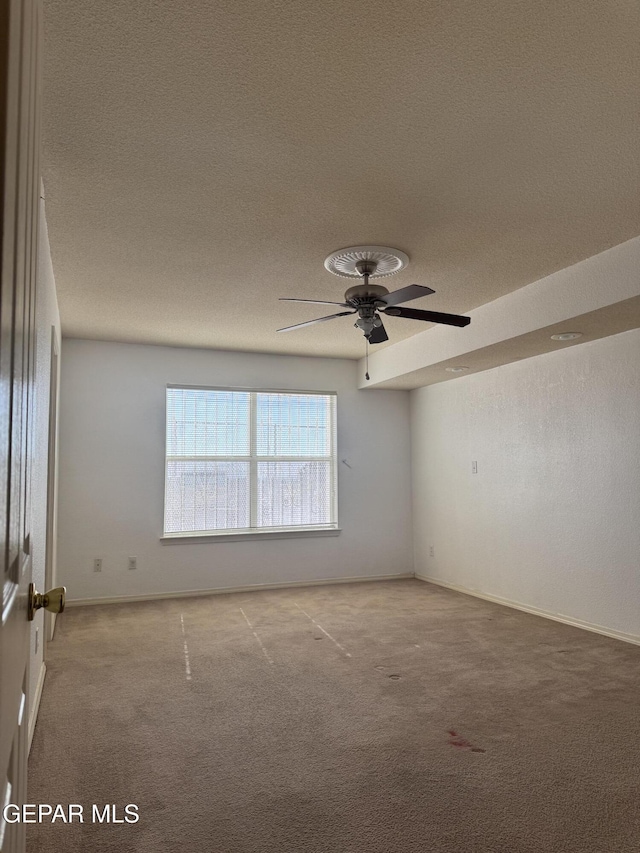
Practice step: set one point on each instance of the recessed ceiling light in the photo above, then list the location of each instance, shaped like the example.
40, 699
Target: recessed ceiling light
456, 369
566, 336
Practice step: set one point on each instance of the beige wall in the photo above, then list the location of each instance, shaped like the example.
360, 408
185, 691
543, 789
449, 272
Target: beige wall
552, 518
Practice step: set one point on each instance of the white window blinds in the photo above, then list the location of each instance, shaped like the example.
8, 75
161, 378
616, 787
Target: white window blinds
246, 460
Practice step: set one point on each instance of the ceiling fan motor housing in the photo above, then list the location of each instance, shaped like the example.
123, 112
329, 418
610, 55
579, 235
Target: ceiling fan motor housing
366, 292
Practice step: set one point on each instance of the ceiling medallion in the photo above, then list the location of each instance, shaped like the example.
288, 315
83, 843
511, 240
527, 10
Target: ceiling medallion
387, 261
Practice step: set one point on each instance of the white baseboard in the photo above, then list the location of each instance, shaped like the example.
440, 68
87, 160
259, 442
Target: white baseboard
556, 617
35, 705
122, 599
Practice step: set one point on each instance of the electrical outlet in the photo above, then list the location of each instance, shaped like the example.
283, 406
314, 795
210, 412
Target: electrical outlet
133, 562
97, 564
431, 550
474, 467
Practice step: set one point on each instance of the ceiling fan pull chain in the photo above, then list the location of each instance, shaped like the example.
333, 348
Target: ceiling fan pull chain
366, 357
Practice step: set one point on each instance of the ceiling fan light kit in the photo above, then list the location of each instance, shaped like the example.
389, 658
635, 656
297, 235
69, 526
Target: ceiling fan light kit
369, 300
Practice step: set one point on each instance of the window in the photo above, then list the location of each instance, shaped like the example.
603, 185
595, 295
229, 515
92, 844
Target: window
244, 461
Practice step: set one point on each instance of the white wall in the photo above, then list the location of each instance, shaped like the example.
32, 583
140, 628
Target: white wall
552, 518
47, 323
112, 416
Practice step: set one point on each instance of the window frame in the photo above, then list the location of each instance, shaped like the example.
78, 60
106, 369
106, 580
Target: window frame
293, 531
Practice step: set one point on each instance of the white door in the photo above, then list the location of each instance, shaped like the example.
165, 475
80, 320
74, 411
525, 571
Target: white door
20, 53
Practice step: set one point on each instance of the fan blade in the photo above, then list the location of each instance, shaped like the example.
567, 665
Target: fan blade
429, 316
317, 320
315, 302
378, 335
406, 294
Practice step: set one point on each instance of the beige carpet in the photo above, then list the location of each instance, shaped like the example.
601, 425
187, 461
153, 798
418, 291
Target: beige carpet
364, 718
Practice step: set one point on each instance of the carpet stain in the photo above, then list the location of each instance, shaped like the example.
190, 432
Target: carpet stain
461, 742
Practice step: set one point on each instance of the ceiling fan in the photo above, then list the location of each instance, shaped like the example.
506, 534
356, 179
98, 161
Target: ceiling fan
368, 300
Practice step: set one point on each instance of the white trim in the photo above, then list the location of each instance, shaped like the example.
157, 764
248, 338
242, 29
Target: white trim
253, 459
251, 389
35, 705
334, 459
123, 599
251, 455
7, 799
253, 462
556, 617
246, 534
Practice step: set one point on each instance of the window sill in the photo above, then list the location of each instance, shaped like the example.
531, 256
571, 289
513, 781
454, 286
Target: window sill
246, 535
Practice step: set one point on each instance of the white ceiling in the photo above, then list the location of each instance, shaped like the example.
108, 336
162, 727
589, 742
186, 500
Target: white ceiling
201, 159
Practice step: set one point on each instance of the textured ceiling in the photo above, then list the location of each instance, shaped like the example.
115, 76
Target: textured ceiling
201, 159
